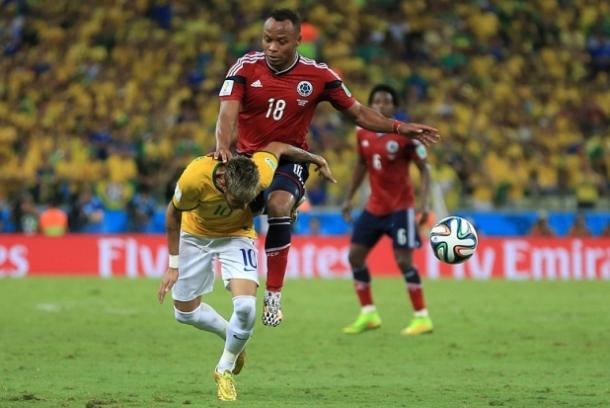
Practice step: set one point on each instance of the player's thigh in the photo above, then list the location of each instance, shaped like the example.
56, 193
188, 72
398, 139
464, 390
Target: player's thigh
403, 229
239, 262
196, 271
291, 178
368, 228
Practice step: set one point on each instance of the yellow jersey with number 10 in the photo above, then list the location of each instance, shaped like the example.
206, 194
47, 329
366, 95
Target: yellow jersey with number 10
206, 212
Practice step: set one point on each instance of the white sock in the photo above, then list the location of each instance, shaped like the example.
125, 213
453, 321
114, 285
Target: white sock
204, 318
421, 313
368, 309
239, 331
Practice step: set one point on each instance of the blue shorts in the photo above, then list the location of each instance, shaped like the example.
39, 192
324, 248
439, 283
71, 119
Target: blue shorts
401, 226
289, 176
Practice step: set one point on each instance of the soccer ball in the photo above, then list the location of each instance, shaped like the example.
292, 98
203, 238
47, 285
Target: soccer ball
453, 240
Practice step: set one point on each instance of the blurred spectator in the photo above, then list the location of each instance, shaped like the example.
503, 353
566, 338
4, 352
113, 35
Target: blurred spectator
53, 220
314, 226
541, 227
86, 212
140, 210
5, 214
25, 215
579, 228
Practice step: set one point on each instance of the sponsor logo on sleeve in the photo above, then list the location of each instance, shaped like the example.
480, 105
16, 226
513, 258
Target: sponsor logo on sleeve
227, 88
271, 163
420, 151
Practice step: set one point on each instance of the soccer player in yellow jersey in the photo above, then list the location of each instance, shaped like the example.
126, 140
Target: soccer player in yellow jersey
209, 217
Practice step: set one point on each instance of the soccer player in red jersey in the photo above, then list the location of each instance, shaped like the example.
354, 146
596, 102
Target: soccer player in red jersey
272, 96
390, 210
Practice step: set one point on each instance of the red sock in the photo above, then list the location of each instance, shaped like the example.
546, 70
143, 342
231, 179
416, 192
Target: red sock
363, 290
416, 293
276, 269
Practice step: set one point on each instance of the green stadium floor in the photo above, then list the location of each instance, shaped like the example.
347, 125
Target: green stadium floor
107, 343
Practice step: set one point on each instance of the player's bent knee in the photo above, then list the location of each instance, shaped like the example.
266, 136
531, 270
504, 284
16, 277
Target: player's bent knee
280, 203
185, 317
244, 308
406, 267
356, 257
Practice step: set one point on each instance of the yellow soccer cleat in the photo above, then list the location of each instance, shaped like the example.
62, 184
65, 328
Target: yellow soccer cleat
226, 386
364, 322
239, 363
419, 325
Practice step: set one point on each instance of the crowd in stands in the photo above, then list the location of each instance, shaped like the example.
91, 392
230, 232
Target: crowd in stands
103, 102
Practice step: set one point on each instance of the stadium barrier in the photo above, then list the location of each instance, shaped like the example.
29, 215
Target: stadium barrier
330, 222
310, 257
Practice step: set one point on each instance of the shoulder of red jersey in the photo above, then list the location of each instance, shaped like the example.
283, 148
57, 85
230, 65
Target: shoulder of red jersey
242, 63
321, 67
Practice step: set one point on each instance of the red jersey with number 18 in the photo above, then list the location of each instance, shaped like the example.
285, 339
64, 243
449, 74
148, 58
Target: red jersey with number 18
279, 106
387, 158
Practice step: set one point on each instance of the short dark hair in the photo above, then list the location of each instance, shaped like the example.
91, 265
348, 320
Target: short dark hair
384, 88
287, 14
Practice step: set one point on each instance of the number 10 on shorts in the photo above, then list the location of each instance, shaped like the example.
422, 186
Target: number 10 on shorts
249, 257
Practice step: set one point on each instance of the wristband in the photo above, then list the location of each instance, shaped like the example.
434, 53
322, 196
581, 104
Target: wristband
395, 125
173, 261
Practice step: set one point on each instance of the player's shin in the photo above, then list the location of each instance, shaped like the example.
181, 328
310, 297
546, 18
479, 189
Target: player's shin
362, 285
414, 289
239, 331
204, 318
277, 246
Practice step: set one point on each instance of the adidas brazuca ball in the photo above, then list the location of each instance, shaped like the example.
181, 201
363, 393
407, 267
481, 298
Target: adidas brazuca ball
453, 240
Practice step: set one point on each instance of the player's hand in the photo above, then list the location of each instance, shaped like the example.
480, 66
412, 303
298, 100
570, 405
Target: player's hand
346, 210
167, 282
427, 135
223, 154
323, 168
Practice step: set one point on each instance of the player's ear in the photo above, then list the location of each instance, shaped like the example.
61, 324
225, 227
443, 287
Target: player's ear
299, 39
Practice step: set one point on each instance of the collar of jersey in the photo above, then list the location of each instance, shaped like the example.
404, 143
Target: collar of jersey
296, 61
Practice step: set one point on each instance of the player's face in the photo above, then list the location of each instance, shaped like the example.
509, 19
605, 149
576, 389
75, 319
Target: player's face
280, 41
383, 103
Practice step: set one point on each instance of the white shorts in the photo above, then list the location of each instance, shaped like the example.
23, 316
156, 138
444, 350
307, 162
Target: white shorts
237, 257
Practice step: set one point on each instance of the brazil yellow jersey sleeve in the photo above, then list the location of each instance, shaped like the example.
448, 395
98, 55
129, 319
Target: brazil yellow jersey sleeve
194, 183
266, 163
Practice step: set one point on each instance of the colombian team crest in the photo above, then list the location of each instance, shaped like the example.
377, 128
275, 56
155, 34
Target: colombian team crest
304, 88
392, 146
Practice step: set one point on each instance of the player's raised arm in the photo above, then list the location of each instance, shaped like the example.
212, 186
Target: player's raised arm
173, 220
372, 120
226, 128
297, 154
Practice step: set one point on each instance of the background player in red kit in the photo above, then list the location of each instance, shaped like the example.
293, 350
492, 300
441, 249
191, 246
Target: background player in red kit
389, 210
271, 96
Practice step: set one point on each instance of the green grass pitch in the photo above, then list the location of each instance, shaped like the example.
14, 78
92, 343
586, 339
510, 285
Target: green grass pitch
107, 343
